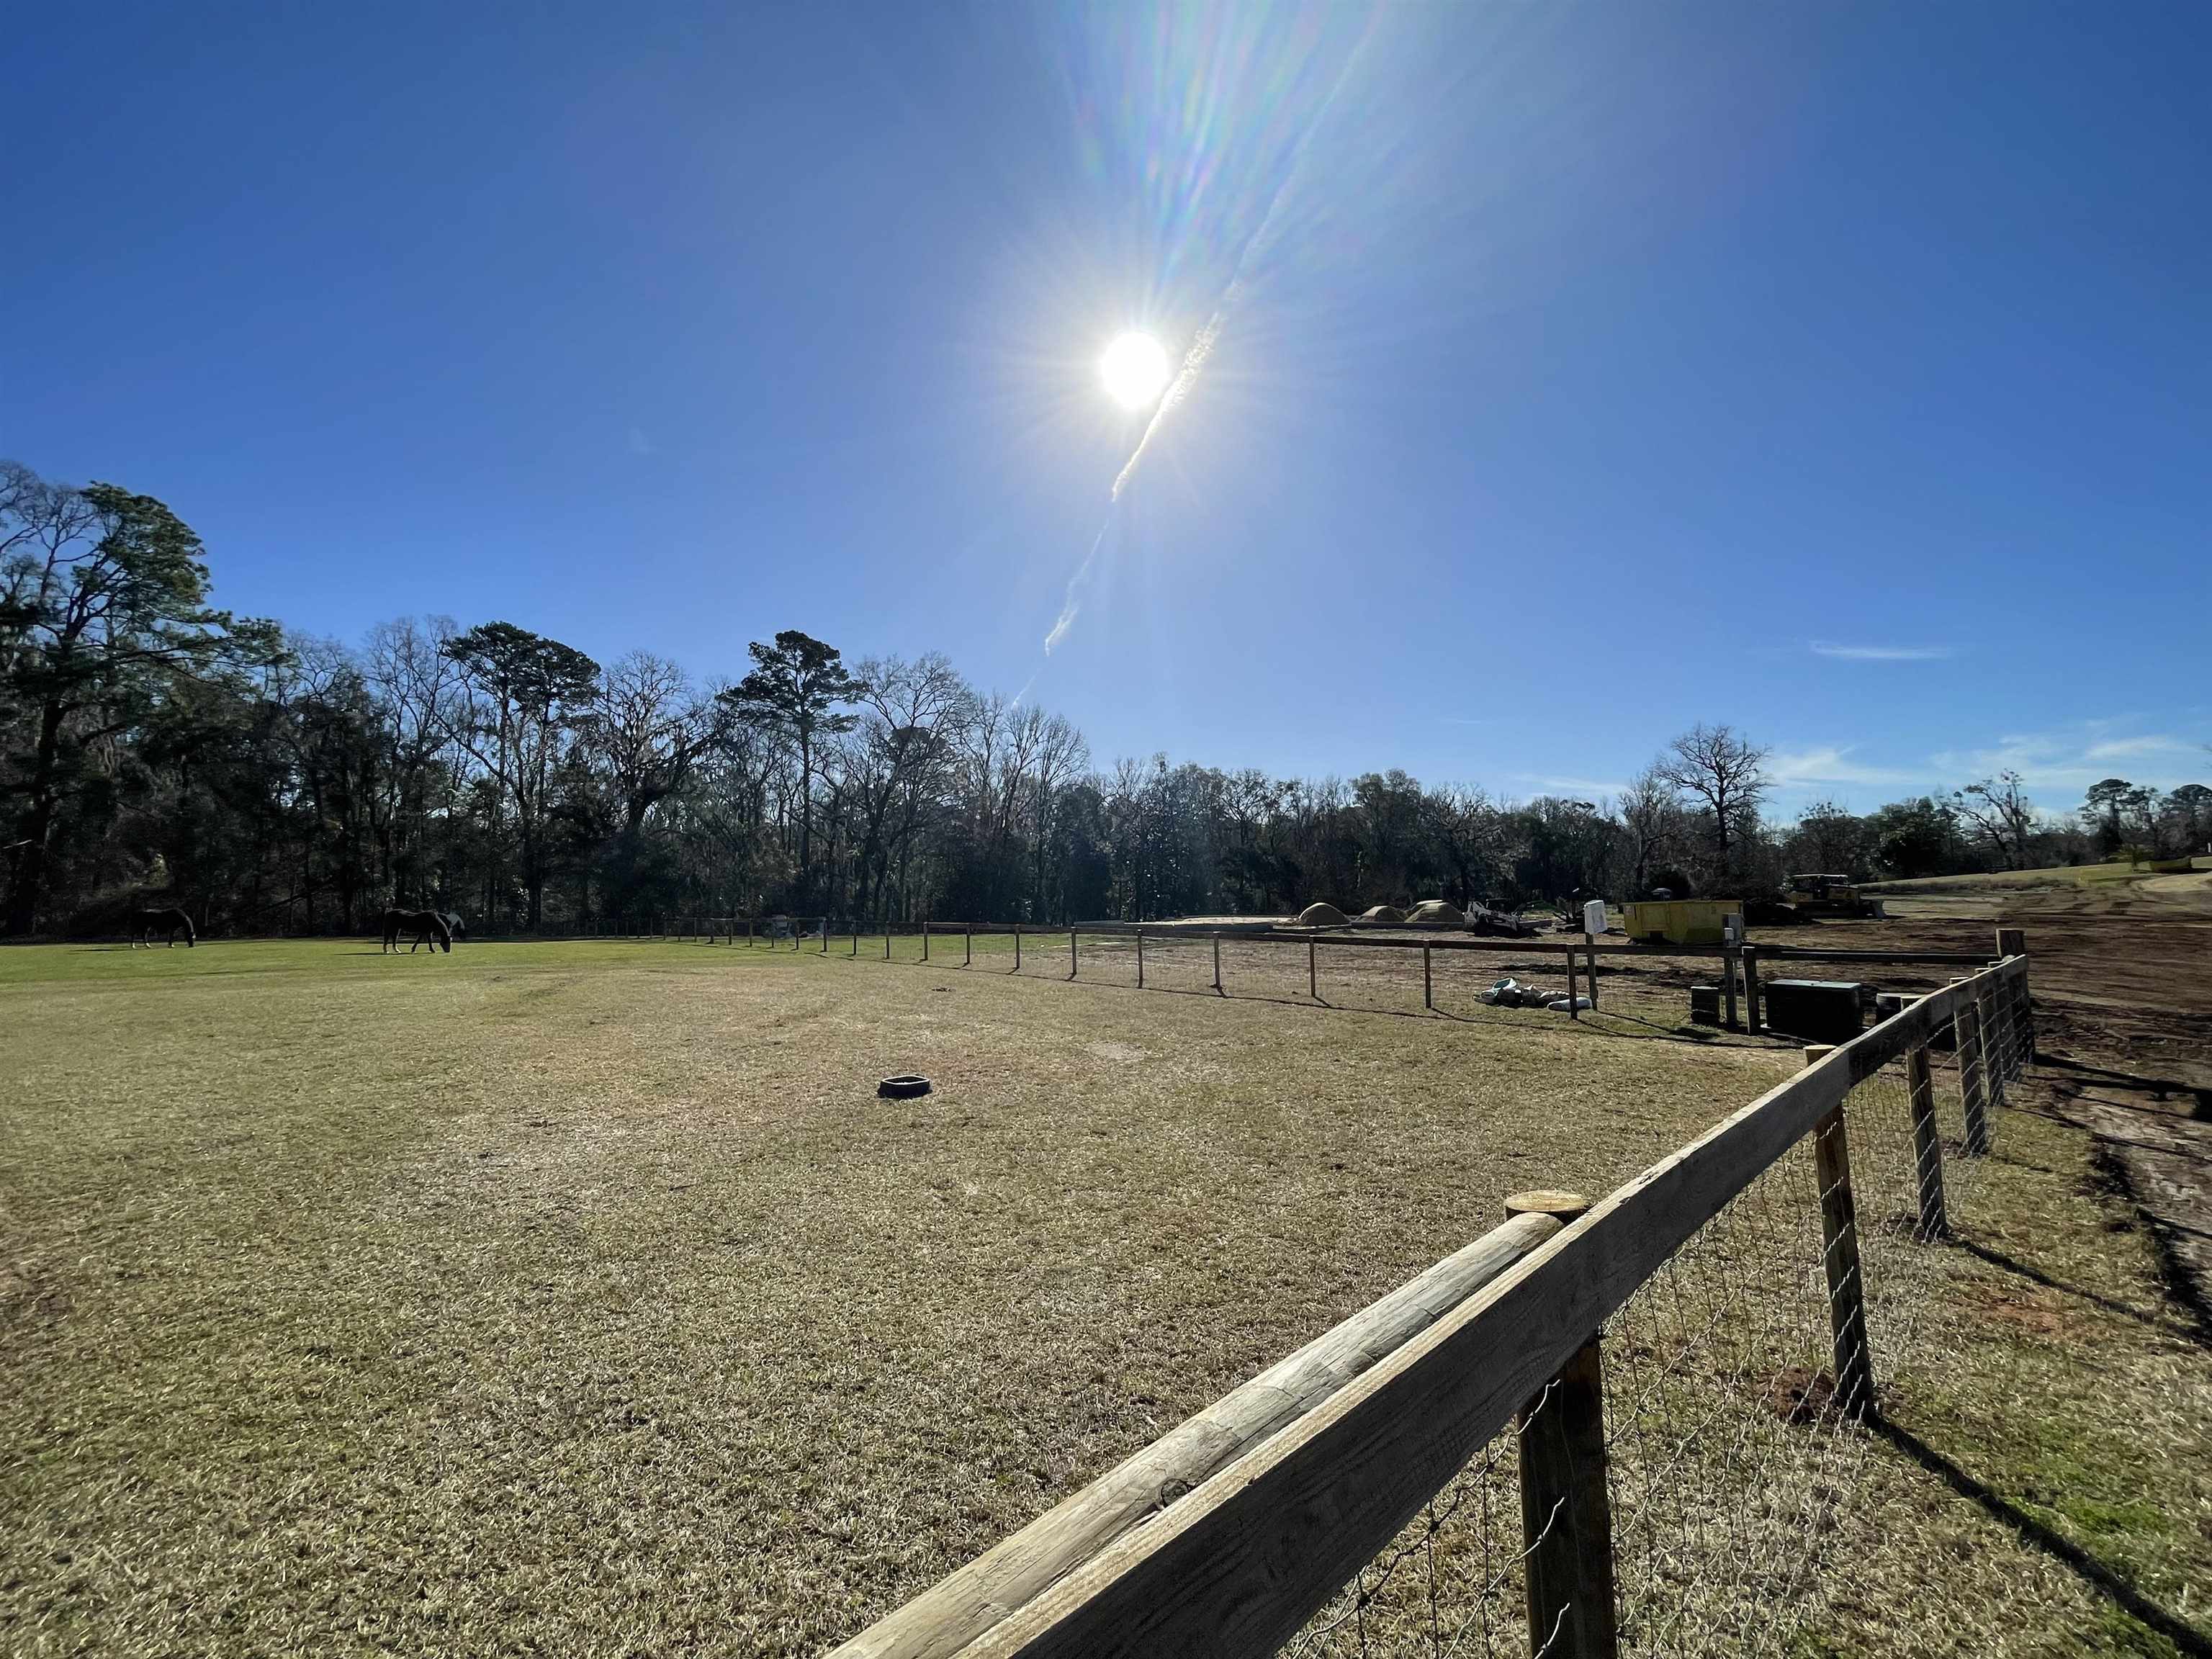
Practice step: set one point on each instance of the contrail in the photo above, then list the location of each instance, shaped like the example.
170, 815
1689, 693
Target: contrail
1194, 360
1081, 579
1201, 348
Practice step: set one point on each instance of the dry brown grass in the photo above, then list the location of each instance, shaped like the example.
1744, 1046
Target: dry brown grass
584, 1299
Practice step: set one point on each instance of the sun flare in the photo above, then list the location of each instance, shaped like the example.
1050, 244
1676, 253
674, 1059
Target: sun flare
1135, 369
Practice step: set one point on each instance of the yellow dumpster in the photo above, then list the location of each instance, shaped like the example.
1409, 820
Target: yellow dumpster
1681, 921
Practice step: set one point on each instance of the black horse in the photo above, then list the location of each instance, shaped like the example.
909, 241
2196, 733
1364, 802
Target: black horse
168, 922
426, 926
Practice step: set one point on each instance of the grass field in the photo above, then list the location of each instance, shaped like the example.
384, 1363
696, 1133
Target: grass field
2063, 875
583, 1299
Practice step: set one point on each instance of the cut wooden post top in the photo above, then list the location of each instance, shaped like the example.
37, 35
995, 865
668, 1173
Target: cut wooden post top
1567, 1207
1817, 1052
2012, 942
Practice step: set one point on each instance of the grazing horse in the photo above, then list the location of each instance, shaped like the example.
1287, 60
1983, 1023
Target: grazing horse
170, 921
425, 925
454, 925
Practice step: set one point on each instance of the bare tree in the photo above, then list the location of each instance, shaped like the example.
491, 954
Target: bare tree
899, 758
1059, 757
1998, 811
1463, 824
1651, 819
649, 729
1725, 771
422, 693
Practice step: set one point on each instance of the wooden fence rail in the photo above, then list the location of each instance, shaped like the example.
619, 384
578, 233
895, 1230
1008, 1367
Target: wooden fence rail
1317, 1481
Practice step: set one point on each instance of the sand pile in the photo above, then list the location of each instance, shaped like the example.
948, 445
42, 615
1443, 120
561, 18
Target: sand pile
1437, 911
1322, 915
1389, 913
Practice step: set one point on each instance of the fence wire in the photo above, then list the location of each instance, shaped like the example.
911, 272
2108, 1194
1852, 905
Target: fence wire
1731, 1456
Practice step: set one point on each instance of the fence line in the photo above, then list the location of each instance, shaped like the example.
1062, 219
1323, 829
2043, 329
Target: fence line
1269, 934
1612, 1356
1739, 965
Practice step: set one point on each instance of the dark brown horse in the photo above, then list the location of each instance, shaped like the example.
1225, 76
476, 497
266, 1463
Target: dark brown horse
426, 926
169, 922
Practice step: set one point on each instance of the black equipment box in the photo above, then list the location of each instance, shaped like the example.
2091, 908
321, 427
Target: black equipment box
1817, 1010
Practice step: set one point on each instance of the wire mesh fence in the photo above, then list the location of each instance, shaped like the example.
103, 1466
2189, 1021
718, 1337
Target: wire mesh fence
1730, 1447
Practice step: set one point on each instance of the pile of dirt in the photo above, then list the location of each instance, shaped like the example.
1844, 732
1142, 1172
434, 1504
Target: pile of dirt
1389, 913
1322, 915
1437, 911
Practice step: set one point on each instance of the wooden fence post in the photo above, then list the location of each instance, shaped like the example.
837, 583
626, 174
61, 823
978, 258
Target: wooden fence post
1017, 948
1839, 1254
749, 933
1313, 976
887, 941
1573, 1010
1217, 964
1926, 1143
825, 936
856, 939
1428, 983
1140, 958
925, 938
1727, 982
968, 935
1967, 1028
1071, 953
1751, 989
1566, 1511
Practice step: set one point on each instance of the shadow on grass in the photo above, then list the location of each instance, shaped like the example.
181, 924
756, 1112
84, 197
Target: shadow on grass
2142, 1316
2184, 1636
2158, 1088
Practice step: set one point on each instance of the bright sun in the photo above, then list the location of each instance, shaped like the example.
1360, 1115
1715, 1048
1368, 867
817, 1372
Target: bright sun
1135, 370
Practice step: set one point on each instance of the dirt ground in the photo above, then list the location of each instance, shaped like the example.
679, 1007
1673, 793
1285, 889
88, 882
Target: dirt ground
2123, 982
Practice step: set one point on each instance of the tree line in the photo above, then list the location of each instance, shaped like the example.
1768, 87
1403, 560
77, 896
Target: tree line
154, 746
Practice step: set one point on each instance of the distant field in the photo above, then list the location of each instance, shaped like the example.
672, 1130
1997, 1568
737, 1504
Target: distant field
2054, 876
584, 1299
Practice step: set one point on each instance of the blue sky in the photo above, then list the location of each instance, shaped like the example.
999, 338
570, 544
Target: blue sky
1579, 372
